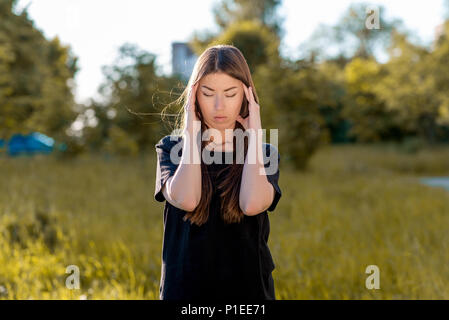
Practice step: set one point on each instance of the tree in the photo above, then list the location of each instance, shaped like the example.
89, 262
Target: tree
290, 93
229, 13
408, 86
437, 69
258, 44
35, 76
371, 120
132, 90
350, 37
332, 108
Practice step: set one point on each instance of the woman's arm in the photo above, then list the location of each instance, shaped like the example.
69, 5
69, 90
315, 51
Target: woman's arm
183, 189
256, 193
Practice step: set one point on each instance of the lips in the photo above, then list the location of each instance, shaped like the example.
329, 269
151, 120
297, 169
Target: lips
220, 118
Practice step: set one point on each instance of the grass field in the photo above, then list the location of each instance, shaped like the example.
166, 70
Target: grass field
356, 206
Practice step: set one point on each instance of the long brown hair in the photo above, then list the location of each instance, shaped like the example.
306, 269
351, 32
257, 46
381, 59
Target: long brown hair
230, 60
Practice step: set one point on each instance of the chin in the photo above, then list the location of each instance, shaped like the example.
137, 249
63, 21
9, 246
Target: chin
223, 126
229, 124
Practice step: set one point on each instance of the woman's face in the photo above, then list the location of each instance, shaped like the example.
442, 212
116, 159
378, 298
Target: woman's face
220, 95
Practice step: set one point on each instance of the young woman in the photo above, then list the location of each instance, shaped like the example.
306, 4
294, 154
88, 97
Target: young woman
216, 225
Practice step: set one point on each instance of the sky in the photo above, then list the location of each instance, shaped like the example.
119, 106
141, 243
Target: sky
95, 29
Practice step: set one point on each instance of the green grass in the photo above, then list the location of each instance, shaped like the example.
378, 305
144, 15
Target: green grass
356, 206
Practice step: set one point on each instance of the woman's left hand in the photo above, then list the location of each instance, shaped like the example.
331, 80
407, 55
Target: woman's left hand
252, 121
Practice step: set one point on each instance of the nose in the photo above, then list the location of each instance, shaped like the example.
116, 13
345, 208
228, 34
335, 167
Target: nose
219, 105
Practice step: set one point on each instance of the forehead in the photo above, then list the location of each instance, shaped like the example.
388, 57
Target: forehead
219, 81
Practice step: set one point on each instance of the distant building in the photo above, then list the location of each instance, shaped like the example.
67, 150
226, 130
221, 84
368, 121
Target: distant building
183, 59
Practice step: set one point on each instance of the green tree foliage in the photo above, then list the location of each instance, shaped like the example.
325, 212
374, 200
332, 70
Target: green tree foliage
233, 12
440, 73
371, 119
258, 44
291, 93
406, 96
349, 37
95, 133
119, 142
134, 91
408, 87
332, 107
35, 78
228, 12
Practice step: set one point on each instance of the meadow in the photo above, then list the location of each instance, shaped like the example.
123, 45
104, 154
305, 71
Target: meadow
357, 205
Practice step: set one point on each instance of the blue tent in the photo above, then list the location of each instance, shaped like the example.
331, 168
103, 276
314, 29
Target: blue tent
30, 144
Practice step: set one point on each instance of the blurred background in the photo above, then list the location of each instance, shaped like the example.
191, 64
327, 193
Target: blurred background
358, 91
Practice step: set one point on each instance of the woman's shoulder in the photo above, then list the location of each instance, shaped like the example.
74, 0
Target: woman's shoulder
168, 141
270, 149
271, 158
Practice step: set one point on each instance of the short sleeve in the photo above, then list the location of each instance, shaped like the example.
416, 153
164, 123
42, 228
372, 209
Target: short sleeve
271, 164
165, 167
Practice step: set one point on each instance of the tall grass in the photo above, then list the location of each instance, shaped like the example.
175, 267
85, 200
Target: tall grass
355, 206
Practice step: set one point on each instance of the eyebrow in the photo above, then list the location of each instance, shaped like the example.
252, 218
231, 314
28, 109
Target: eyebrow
214, 90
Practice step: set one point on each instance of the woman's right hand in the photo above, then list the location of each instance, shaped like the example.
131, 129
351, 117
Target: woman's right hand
190, 107
192, 125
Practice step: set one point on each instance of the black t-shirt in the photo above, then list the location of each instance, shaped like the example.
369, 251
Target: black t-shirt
214, 261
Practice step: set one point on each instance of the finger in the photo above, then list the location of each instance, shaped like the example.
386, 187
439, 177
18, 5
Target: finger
251, 94
192, 96
246, 92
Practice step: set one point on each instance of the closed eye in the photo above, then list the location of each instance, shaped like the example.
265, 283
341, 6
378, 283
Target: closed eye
210, 95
